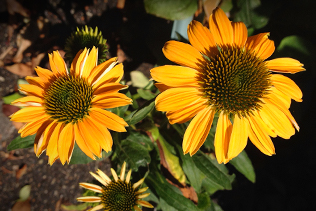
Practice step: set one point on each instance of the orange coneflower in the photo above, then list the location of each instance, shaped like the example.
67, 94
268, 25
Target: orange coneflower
118, 194
67, 107
224, 71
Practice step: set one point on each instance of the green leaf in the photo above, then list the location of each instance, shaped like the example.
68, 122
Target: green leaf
141, 139
210, 186
146, 94
79, 157
249, 14
21, 143
204, 201
194, 175
139, 79
165, 206
135, 154
10, 98
171, 10
243, 164
205, 165
140, 113
24, 193
166, 191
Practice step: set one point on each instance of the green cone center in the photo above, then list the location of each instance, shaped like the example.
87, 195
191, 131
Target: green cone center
68, 99
118, 196
235, 80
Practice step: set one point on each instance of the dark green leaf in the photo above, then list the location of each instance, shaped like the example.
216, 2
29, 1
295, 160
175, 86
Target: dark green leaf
205, 165
204, 201
171, 10
140, 113
79, 157
166, 207
146, 94
141, 139
166, 191
250, 13
135, 154
21, 143
194, 175
210, 186
243, 164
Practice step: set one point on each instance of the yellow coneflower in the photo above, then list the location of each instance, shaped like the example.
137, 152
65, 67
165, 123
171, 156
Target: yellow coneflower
118, 194
67, 107
224, 71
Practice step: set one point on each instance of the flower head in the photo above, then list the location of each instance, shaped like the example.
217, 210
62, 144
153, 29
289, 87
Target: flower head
86, 38
224, 71
64, 107
118, 194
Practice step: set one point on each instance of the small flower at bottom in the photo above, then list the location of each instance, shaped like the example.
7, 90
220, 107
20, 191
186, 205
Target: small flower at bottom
64, 107
118, 194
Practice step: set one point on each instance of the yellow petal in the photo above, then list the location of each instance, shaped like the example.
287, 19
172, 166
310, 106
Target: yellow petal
287, 86
122, 174
183, 54
40, 146
98, 207
28, 114
201, 38
115, 177
197, 131
259, 138
93, 187
221, 28
222, 137
98, 178
36, 81
74, 62
277, 120
275, 93
111, 100
101, 69
104, 176
240, 33
137, 184
177, 98
91, 199
285, 65
30, 89
239, 136
144, 203
186, 113
66, 143
79, 63
43, 73
60, 63
28, 101
128, 176
175, 76
261, 45
142, 196
91, 62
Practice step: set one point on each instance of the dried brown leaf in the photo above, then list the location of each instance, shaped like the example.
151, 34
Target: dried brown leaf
20, 69
21, 172
22, 206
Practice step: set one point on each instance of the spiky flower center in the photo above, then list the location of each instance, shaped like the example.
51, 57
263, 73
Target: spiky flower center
235, 80
118, 196
68, 99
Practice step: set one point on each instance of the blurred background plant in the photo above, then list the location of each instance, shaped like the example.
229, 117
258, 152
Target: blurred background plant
135, 32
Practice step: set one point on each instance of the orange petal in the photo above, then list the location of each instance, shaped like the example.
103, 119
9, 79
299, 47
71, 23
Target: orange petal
30, 89
100, 69
109, 88
92, 145
261, 45
52, 148
222, 137
240, 33
177, 98
66, 143
36, 81
162, 87
239, 137
28, 101
201, 38
93, 187
285, 99
285, 65
28, 114
197, 131
175, 76
221, 28
186, 113
183, 54
32, 127
74, 62
287, 86
82, 144
113, 74
92, 199
259, 138
44, 74
57, 63
42, 144
111, 100
91, 62
144, 203
78, 64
